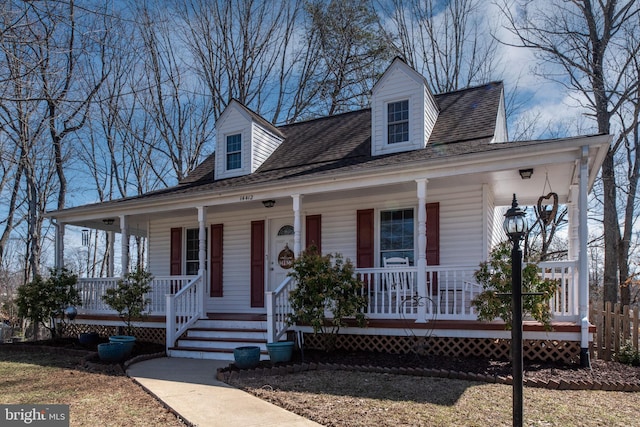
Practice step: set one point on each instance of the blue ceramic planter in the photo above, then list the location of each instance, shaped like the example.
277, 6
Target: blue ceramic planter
246, 357
280, 351
126, 340
111, 352
88, 338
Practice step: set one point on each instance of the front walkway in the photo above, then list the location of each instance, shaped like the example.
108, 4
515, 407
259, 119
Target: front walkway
190, 388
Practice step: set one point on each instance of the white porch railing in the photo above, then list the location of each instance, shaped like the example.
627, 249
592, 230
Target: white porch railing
92, 289
394, 293
184, 308
564, 305
278, 309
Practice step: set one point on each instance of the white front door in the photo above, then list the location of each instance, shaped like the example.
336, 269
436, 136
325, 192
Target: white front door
280, 251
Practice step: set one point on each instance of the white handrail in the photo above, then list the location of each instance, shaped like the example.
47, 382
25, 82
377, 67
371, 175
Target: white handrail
184, 308
278, 309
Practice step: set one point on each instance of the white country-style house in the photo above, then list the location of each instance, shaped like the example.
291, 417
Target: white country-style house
416, 176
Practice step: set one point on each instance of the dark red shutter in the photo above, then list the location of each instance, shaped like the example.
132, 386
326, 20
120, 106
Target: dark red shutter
314, 232
257, 264
365, 249
433, 240
215, 261
175, 268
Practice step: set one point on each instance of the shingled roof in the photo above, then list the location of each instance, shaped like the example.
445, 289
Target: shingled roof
467, 121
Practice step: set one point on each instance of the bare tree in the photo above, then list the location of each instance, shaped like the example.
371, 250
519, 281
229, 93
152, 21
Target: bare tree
589, 49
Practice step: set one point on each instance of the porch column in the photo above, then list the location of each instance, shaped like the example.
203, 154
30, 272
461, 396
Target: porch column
583, 273
59, 243
202, 254
421, 262
124, 253
297, 225
574, 223
111, 253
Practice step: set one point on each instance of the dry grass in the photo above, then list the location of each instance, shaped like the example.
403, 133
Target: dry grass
341, 398
95, 399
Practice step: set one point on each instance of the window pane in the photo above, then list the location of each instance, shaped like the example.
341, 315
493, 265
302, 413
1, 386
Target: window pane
234, 161
398, 122
396, 234
234, 151
192, 255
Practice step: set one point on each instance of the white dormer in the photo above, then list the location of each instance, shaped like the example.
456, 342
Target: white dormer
500, 134
403, 110
244, 140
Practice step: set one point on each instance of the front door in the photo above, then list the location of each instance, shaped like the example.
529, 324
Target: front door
280, 251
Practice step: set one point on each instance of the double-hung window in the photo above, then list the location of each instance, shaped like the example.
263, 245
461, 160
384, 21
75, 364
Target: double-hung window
192, 255
397, 234
398, 122
234, 151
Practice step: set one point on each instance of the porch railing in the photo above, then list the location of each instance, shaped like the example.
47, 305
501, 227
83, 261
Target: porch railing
394, 293
564, 304
184, 308
278, 309
92, 289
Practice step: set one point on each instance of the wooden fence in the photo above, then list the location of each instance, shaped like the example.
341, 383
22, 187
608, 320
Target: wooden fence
614, 328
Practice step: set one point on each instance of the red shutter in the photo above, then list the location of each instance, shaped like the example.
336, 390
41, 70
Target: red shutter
175, 251
314, 232
215, 261
433, 240
365, 248
257, 264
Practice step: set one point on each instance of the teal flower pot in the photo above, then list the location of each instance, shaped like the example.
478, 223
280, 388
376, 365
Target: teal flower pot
126, 340
280, 351
246, 357
88, 338
111, 352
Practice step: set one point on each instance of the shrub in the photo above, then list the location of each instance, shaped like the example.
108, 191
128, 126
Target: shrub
326, 283
128, 297
43, 300
495, 278
629, 355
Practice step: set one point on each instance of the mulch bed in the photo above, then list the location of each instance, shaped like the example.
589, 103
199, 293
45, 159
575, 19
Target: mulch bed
601, 376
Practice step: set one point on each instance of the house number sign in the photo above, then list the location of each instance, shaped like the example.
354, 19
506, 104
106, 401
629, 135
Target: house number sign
285, 258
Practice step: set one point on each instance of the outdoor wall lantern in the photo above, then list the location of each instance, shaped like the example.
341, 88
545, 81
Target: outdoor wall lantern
108, 221
525, 173
515, 225
269, 203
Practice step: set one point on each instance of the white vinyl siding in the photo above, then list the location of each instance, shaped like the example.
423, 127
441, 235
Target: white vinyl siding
264, 143
461, 234
401, 83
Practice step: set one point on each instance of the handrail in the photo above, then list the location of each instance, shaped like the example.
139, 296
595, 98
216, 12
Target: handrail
565, 301
184, 308
278, 309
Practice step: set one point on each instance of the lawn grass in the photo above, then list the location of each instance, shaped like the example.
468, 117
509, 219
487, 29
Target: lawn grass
95, 398
343, 398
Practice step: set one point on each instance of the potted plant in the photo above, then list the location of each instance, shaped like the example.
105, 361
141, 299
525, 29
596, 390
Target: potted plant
128, 298
246, 357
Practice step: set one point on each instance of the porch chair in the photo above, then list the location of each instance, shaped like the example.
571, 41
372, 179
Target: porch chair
399, 283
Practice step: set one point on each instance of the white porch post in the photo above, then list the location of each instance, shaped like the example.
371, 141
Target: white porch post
297, 225
574, 223
421, 262
111, 253
583, 273
59, 258
124, 253
202, 254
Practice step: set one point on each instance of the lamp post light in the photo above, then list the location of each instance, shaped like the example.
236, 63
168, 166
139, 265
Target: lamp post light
515, 225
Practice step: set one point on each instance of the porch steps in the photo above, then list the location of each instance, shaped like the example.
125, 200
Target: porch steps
215, 338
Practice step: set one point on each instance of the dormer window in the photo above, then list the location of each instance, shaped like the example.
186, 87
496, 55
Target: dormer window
234, 151
398, 122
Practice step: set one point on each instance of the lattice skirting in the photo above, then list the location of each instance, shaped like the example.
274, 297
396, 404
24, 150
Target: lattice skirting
539, 350
154, 335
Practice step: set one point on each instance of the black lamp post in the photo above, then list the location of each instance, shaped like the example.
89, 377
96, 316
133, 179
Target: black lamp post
515, 225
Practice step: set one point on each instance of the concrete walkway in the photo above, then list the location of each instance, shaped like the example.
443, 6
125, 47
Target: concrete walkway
190, 388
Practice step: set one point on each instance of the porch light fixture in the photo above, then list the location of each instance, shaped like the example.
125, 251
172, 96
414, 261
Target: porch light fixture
269, 203
108, 221
515, 225
525, 173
